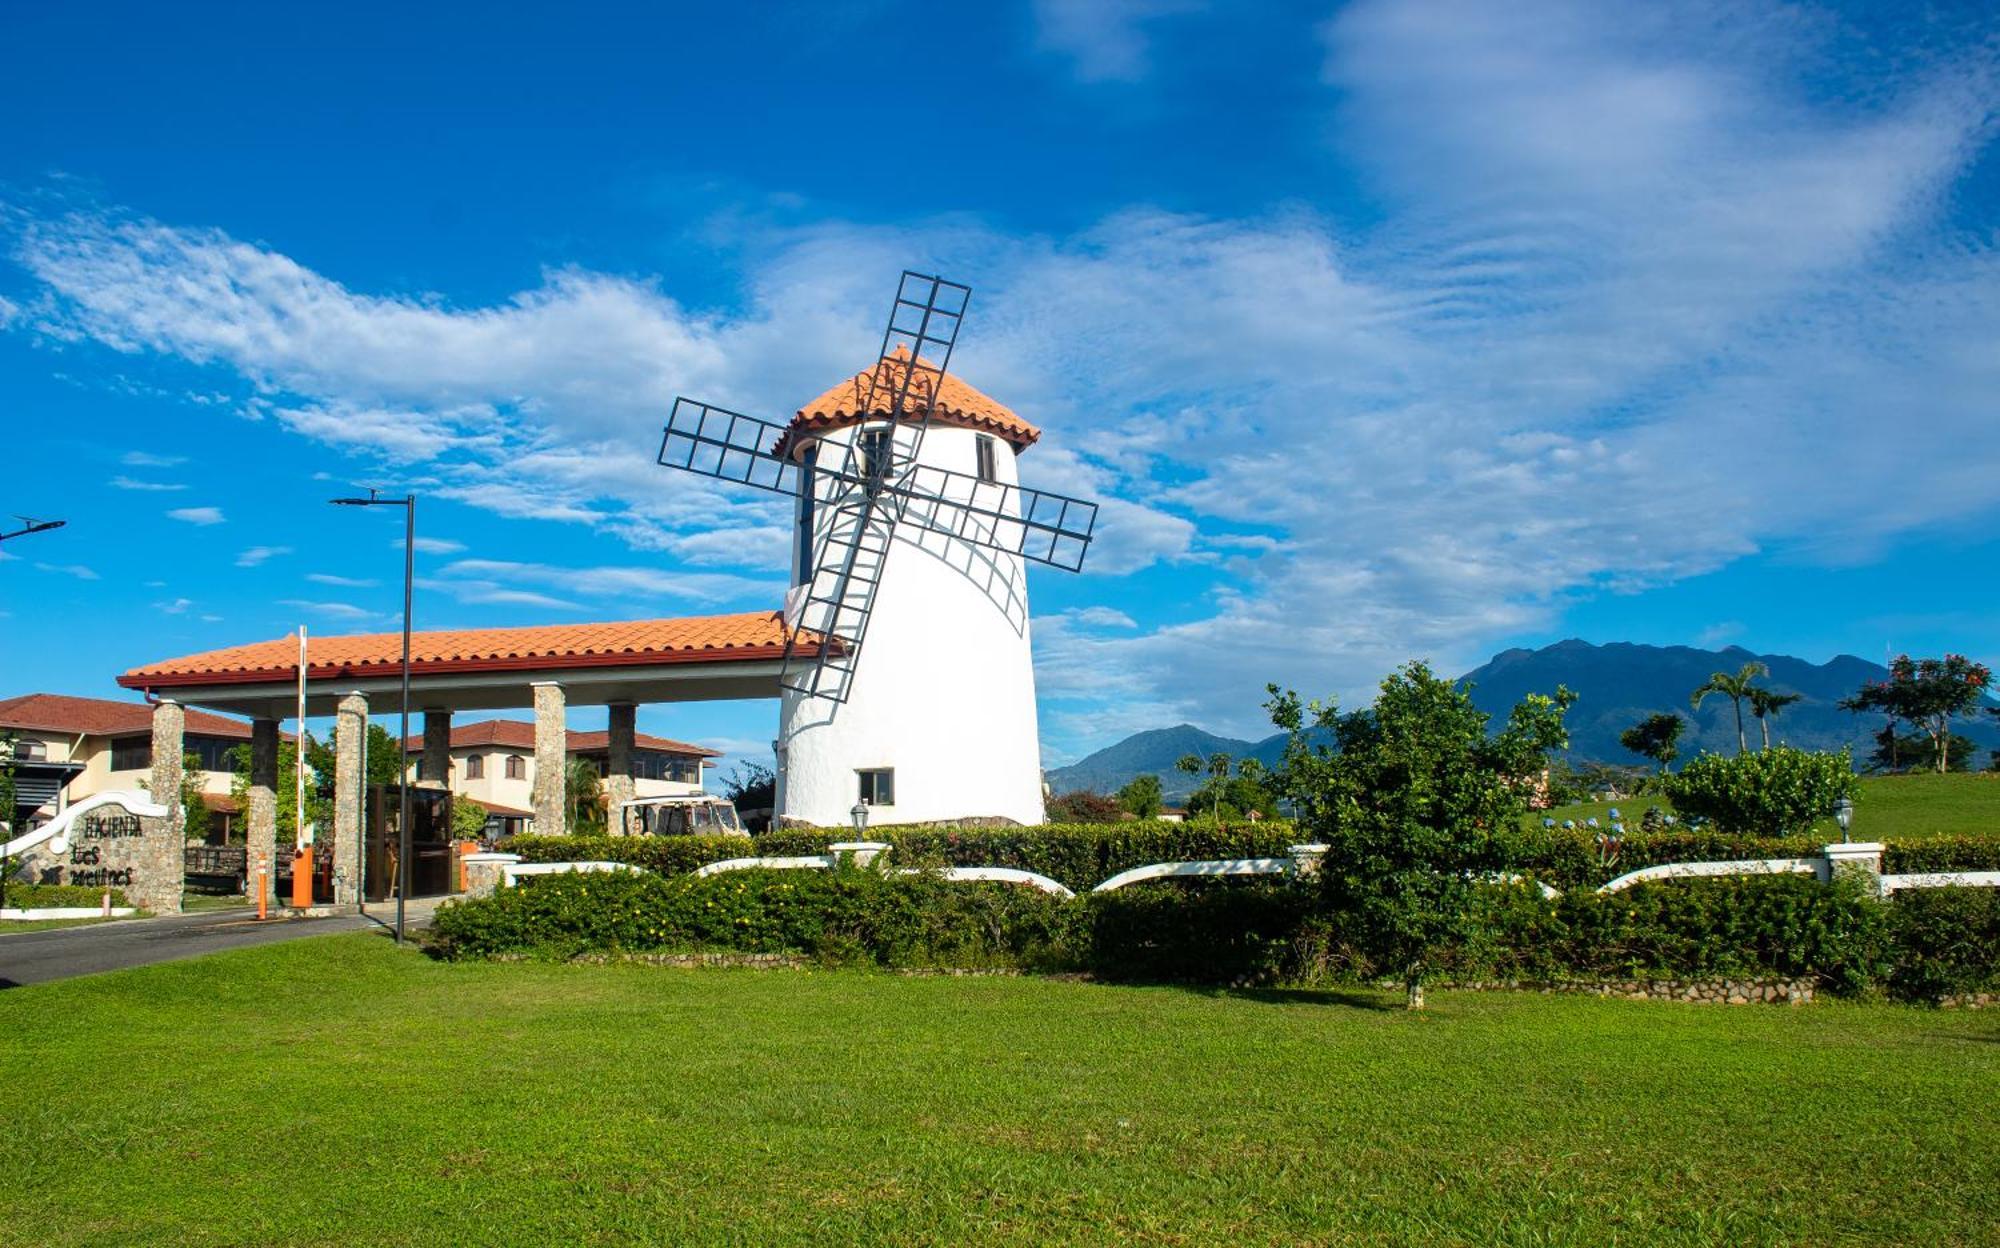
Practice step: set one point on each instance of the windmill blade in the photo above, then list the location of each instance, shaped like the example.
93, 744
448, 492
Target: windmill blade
1049, 528
729, 446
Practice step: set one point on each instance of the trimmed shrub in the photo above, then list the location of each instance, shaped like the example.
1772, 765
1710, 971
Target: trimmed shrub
1942, 853
1780, 791
838, 917
1083, 806
39, 896
662, 855
1944, 941
1206, 932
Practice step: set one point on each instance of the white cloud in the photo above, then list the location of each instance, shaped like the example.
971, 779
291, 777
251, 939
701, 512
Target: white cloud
196, 515
76, 570
432, 545
1614, 243
162, 487
333, 610
257, 555
178, 606
341, 582
144, 459
1105, 40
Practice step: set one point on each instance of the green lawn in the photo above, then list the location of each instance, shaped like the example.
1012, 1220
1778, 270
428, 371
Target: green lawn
337, 1090
1889, 807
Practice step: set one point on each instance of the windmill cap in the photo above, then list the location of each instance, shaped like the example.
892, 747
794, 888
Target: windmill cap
869, 393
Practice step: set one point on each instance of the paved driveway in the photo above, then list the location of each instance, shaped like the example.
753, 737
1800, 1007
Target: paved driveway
65, 952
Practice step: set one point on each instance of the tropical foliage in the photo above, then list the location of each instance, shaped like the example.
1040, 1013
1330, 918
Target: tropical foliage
1775, 792
1927, 694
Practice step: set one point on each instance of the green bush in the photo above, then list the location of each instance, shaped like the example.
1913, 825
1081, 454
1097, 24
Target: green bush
849, 916
1206, 932
1941, 853
38, 896
1080, 856
1775, 792
1944, 941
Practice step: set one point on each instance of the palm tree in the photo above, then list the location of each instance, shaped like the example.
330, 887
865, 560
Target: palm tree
583, 794
1736, 688
1765, 705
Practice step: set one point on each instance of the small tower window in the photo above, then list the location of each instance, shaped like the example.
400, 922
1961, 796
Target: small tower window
878, 786
808, 487
876, 446
985, 451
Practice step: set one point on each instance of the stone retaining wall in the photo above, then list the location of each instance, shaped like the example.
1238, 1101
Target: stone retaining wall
1707, 991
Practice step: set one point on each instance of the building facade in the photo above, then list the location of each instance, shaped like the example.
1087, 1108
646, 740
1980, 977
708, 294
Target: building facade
74, 747
493, 764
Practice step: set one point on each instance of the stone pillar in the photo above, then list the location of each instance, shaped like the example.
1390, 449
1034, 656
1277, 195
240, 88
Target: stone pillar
263, 813
1862, 858
350, 735
159, 865
619, 786
435, 773
551, 758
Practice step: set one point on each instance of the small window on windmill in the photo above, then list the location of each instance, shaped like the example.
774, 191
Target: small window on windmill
878, 786
876, 447
986, 469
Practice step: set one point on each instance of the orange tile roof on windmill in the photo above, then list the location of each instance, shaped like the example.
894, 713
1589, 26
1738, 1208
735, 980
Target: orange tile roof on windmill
870, 392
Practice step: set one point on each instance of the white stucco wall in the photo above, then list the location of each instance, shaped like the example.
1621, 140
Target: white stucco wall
944, 692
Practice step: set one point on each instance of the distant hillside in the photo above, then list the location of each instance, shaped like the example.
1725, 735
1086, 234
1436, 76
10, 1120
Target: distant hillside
1616, 685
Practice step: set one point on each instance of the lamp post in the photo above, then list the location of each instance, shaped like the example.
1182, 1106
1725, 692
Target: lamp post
409, 505
31, 525
860, 816
1843, 814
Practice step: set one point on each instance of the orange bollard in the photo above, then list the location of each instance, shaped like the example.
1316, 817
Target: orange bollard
263, 887
302, 878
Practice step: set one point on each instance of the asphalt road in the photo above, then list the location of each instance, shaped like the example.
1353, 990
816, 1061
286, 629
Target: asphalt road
66, 952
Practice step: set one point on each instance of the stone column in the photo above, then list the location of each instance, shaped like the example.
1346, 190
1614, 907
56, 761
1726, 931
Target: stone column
263, 813
435, 773
159, 866
350, 733
619, 786
551, 758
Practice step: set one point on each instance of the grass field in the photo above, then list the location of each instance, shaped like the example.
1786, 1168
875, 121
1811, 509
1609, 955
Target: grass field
1889, 807
337, 1090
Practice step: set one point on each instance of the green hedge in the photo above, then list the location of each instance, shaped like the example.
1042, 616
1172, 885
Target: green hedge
38, 896
1080, 855
1924, 945
848, 916
1085, 855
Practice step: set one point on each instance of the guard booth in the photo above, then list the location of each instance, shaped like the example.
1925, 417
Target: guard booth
433, 869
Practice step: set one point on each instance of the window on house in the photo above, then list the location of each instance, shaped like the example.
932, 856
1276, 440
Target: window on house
131, 754
475, 767
878, 786
985, 449
26, 749
806, 490
214, 752
876, 447
517, 767
684, 770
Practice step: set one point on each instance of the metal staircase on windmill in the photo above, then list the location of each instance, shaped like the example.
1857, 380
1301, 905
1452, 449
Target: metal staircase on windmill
877, 485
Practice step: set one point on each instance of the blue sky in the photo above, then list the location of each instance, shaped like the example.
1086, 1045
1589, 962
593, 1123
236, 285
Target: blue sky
1382, 330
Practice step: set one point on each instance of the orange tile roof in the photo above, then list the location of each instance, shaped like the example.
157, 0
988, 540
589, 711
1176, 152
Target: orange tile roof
869, 392
101, 717
745, 637
519, 734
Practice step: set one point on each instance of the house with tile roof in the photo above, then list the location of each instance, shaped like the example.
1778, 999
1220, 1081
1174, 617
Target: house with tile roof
492, 762
108, 744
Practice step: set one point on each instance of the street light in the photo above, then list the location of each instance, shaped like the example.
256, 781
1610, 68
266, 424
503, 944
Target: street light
409, 505
1843, 814
860, 817
31, 525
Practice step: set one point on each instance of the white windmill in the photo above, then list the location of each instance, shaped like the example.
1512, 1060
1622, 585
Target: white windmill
912, 534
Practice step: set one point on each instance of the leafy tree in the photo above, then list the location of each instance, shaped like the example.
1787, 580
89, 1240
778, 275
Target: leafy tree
1141, 796
194, 811
583, 796
468, 819
1734, 686
752, 786
319, 787
1765, 705
1656, 737
1928, 693
1776, 792
9, 799
1415, 798
1894, 751
1083, 806
1234, 796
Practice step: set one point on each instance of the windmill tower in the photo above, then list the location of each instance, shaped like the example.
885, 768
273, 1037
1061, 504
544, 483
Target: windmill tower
908, 681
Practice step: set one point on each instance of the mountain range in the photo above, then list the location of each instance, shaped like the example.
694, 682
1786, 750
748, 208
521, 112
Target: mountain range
1617, 684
